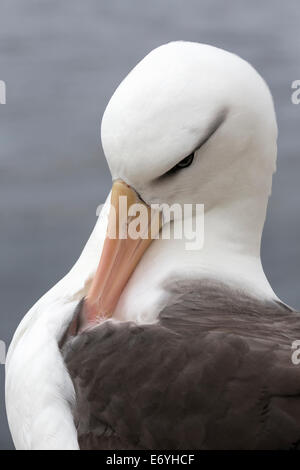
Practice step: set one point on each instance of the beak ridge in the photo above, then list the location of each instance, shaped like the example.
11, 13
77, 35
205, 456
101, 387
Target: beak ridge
132, 225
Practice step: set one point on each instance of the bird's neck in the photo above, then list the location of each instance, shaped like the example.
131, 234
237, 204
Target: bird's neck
230, 254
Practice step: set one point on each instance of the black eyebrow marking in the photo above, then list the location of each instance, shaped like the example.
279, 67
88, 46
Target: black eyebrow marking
212, 128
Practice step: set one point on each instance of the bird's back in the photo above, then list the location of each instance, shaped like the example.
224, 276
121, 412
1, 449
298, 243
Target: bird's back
214, 373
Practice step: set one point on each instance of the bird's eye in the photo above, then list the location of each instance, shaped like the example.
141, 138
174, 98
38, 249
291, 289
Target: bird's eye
187, 161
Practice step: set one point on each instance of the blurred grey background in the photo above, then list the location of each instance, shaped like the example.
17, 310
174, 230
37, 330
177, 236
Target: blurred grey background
61, 61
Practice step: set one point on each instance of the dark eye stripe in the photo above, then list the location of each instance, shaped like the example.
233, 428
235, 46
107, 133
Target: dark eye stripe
211, 130
187, 161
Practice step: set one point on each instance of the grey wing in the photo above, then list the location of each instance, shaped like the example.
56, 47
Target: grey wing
212, 374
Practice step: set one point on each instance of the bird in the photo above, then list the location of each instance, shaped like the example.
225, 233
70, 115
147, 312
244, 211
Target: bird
149, 343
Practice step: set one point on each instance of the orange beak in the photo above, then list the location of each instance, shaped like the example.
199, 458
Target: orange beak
132, 225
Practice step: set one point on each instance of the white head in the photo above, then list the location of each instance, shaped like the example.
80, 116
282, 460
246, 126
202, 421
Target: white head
186, 98
193, 100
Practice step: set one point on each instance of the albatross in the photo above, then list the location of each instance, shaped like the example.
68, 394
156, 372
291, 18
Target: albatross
146, 344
